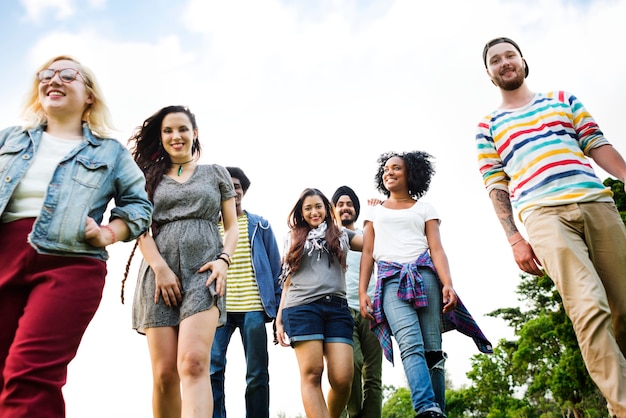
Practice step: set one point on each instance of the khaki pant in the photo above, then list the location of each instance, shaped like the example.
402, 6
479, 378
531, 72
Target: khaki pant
583, 249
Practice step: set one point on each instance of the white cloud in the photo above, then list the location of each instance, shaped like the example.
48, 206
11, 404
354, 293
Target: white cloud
38, 10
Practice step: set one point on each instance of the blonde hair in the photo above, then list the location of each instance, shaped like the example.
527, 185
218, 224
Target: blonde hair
96, 115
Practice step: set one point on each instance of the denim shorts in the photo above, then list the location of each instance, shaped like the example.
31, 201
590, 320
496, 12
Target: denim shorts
327, 319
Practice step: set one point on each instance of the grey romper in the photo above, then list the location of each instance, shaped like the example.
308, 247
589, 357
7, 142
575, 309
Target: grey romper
187, 235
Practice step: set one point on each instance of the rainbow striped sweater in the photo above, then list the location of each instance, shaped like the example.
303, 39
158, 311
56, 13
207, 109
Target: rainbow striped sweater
538, 153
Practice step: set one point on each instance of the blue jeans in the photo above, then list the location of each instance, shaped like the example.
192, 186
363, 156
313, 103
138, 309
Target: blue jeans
417, 332
254, 337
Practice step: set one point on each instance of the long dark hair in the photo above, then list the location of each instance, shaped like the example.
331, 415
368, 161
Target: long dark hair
300, 229
147, 150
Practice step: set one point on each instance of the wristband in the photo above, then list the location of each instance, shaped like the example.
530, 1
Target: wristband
113, 235
519, 240
224, 260
227, 256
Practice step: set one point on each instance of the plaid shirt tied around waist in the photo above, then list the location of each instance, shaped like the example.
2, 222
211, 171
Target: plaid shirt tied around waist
411, 289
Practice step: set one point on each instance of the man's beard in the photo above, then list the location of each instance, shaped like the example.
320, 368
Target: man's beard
512, 84
347, 221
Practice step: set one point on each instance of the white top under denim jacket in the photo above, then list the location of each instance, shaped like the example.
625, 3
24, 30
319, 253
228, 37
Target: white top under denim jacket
83, 184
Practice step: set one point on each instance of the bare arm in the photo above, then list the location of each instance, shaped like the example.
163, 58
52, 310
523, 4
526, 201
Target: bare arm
522, 251
610, 161
356, 243
280, 328
440, 260
231, 230
103, 235
366, 267
219, 267
504, 211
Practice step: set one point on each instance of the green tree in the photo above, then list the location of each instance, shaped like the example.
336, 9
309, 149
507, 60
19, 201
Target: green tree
618, 195
398, 404
540, 374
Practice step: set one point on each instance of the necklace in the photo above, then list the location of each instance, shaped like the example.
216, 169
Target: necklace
400, 200
180, 167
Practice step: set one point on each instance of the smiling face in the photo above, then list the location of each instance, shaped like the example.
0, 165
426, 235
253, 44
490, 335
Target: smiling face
505, 66
61, 99
177, 135
313, 211
394, 175
344, 210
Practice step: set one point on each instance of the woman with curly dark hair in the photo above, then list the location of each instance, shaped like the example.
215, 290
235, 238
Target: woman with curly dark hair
414, 284
313, 316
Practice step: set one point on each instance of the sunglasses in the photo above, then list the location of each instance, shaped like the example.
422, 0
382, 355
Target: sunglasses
67, 75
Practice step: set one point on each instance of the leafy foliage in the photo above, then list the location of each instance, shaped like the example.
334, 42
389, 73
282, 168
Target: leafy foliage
618, 195
540, 374
399, 404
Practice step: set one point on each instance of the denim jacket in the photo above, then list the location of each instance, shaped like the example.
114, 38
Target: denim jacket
265, 262
83, 184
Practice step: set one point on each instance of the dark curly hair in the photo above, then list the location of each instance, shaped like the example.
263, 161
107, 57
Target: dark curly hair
148, 153
147, 150
419, 170
300, 229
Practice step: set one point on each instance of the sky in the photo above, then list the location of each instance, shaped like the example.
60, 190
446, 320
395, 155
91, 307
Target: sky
309, 94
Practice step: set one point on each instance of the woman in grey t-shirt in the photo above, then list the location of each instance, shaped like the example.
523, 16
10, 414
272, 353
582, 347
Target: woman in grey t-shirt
313, 316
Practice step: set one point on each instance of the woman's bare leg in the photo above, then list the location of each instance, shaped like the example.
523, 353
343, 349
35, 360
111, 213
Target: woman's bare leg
166, 399
194, 357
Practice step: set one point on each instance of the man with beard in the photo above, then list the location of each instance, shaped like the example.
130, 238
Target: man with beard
366, 396
533, 155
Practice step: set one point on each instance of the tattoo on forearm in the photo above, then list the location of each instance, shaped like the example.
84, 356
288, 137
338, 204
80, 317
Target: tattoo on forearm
504, 211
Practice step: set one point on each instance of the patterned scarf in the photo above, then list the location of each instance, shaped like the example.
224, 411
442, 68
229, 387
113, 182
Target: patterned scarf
315, 240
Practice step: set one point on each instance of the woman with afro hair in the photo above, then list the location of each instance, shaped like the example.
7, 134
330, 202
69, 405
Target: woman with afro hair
414, 285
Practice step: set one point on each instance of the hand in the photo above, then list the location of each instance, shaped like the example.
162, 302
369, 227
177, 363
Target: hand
374, 201
218, 269
450, 298
280, 333
366, 307
167, 285
526, 259
96, 236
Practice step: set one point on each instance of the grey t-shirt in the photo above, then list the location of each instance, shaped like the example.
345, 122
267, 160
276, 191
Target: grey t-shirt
318, 275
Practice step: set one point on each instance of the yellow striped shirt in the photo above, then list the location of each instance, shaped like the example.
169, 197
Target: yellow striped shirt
242, 291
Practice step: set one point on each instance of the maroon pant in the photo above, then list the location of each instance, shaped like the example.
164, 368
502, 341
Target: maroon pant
46, 303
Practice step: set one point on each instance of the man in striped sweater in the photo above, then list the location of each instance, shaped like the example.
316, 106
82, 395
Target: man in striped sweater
533, 154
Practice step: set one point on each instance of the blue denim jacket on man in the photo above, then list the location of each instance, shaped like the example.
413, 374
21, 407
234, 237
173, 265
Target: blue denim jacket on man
264, 248
83, 184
